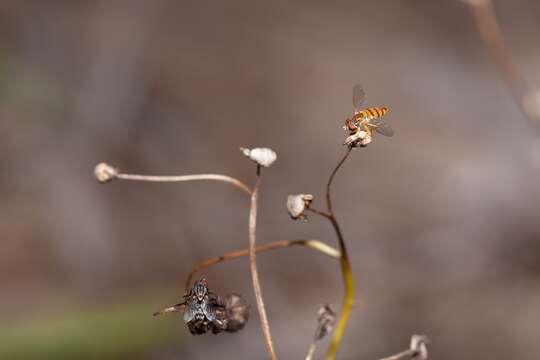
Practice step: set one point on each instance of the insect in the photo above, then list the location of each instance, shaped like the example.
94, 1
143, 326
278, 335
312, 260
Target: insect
205, 310
201, 307
363, 122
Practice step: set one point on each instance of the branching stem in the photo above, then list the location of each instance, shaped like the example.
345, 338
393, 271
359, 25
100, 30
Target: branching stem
348, 299
309, 243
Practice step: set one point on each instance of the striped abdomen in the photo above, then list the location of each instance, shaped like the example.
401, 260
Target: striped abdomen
371, 113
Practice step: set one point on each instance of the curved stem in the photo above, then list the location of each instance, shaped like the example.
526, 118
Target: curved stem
309, 243
253, 267
319, 212
331, 179
491, 34
348, 300
193, 177
401, 355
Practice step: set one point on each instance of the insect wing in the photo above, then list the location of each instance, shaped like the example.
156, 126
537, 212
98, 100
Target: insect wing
358, 97
381, 127
208, 310
191, 310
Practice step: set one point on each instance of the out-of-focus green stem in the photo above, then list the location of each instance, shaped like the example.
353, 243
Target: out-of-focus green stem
346, 308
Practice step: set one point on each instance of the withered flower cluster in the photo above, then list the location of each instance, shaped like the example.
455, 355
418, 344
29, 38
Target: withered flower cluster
206, 311
297, 205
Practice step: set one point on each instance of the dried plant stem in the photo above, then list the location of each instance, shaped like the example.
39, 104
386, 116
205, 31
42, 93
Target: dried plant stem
309, 243
348, 299
401, 355
194, 177
253, 267
488, 27
311, 350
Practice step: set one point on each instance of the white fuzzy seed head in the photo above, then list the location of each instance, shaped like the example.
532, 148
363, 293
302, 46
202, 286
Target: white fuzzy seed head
262, 156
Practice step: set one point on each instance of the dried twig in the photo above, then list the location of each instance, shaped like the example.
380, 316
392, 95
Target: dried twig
488, 27
401, 355
309, 243
105, 173
417, 349
253, 266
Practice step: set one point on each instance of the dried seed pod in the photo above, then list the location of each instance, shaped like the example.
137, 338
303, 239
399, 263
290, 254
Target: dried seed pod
325, 322
419, 346
237, 312
297, 205
105, 173
262, 156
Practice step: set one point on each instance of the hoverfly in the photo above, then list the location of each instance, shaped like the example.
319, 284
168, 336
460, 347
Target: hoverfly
205, 310
363, 122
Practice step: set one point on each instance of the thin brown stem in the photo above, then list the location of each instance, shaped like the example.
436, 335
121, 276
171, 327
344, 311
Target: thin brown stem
194, 177
331, 179
491, 34
253, 267
309, 243
319, 212
401, 355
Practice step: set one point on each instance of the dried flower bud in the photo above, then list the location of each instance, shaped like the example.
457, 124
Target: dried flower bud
325, 322
297, 205
262, 156
105, 173
237, 312
359, 138
419, 346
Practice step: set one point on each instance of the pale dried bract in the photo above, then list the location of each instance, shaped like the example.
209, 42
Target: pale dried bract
297, 205
325, 322
105, 173
359, 138
419, 346
262, 156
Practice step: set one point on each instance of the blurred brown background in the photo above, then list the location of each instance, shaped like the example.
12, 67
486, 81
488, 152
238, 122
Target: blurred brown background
441, 220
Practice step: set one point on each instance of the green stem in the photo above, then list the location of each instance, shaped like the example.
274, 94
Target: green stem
346, 271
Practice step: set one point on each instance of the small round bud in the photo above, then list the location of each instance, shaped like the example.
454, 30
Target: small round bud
105, 173
262, 156
297, 205
237, 312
